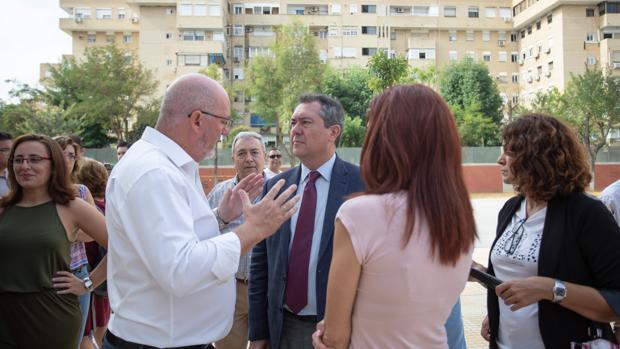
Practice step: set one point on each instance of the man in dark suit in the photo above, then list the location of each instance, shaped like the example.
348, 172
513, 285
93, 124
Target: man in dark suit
289, 270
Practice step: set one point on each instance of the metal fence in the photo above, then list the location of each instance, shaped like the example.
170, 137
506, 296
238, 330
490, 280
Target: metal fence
471, 155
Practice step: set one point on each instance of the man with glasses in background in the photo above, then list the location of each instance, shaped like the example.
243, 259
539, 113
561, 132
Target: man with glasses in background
273, 163
6, 142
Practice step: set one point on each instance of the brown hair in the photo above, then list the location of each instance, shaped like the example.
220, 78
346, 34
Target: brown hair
94, 175
58, 187
412, 145
547, 159
64, 142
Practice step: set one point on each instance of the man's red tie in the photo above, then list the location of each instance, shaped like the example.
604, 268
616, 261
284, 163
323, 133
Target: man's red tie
296, 295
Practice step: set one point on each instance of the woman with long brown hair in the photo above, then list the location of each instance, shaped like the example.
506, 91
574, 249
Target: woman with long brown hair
556, 247
39, 220
402, 249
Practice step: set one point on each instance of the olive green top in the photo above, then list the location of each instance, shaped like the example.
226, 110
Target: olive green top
33, 247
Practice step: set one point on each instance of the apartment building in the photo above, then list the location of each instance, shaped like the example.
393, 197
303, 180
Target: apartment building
528, 45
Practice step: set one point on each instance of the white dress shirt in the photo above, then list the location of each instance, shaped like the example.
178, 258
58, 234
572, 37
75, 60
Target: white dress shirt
322, 191
170, 272
611, 198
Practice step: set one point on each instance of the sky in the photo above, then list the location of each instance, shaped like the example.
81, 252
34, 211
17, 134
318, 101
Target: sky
29, 35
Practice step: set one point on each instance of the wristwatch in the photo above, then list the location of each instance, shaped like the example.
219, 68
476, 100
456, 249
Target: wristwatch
559, 291
88, 284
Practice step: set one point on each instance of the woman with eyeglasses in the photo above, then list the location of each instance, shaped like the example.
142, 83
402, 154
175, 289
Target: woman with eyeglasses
556, 249
79, 259
39, 220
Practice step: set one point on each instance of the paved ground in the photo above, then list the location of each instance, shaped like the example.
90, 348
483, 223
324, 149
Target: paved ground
473, 298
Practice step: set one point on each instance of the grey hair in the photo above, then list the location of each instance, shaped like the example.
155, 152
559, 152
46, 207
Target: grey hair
331, 112
248, 134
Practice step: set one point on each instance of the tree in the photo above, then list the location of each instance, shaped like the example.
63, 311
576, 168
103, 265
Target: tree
466, 83
147, 116
233, 133
353, 133
428, 76
103, 91
386, 71
475, 128
350, 87
276, 81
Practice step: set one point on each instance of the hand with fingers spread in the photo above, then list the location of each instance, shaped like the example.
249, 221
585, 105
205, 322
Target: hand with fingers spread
231, 206
65, 283
277, 208
520, 293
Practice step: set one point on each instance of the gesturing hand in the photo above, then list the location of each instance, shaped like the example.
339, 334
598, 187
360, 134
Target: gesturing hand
231, 207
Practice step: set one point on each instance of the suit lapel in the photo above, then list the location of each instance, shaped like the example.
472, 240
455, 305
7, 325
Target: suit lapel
338, 188
285, 230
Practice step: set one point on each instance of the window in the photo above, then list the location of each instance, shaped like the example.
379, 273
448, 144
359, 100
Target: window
514, 37
238, 73
168, 36
92, 38
127, 38
589, 12
368, 51
486, 56
237, 30
421, 10
472, 12
449, 11
168, 62
515, 99
522, 34
200, 10
370, 30
515, 78
214, 10
502, 56
504, 12
538, 25
486, 35
514, 57
591, 60
238, 53
539, 70
421, 53
590, 37
608, 36
549, 19
453, 55
346, 52
121, 13
530, 51
369, 8
550, 66
336, 8
349, 31
169, 11
104, 13
256, 51
199, 35
501, 36
489, 12
502, 77
452, 35
238, 9
218, 36
185, 10
529, 30
469, 35
471, 54
82, 13
188, 35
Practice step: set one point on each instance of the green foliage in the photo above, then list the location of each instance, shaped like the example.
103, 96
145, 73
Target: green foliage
147, 116
353, 133
276, 81
350, 87
428, 76
233, 133
103, 91
385, 71
212, 71
476, 129
466, 82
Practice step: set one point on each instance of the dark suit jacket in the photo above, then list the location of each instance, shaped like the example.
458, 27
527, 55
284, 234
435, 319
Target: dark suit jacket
270, 257
580, 244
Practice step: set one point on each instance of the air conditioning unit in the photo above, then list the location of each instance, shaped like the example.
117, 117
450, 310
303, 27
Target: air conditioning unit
548, 74
78, 19
616, 65
399, 10
249, 29
501, 43
548, 50
537, 77
135, 19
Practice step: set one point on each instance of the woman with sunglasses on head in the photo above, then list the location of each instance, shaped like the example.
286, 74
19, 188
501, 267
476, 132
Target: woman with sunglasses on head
556, 248
79, 259
39, 219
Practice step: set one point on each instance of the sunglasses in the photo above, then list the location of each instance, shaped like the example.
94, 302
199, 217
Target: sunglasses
275, 156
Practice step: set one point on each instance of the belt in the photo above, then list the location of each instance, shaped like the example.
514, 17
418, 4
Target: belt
303, 318
243, 281
123, 344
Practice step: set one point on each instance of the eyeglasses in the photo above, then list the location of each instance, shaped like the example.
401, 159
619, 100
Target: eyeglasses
70, 156
515, 237
32, 160
275, 156
229, 121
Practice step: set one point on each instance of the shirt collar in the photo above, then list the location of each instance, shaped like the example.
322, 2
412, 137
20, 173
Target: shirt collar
325, 170
167, 146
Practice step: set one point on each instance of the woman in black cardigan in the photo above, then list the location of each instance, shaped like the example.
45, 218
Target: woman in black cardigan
557, 249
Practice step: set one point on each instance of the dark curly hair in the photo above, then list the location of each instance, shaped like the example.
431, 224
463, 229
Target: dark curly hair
547, 159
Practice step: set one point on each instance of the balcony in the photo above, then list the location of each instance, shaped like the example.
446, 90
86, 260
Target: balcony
400, 11
153, 2
192, 22
311, 10
201, 46
610, 20
541, 7
69, 25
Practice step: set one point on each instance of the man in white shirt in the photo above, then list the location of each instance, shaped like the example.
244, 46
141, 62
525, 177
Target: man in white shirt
170, 272
611, 198
273, 163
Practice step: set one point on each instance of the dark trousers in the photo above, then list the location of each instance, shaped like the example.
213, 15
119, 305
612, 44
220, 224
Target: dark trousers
297, 331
